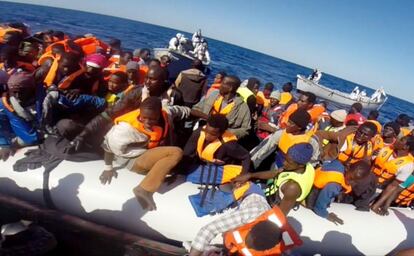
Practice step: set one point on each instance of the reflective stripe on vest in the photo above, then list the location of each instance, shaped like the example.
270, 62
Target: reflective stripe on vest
386, 169
217, 107
235, 240
206, 153
323, 177
355, 152
406, 196
155, 136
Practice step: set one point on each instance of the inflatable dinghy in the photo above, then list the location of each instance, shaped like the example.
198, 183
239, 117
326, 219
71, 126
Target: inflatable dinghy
74, 188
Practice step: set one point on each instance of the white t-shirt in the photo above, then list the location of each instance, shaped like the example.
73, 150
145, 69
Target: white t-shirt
404, 171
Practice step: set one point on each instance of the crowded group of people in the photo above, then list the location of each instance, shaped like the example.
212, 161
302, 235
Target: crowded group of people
266, 151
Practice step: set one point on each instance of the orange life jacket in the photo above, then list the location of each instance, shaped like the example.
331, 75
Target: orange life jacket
157, 135
217, 107
285, 98
323, 177
66, 81
354, 152
235, 240
6, 104
143, 71
112, 69
406, 196
65, 44
262, 100
213, 88
206, 152
288, 140
315, 112
405, 131
386, 169
90, 44
6, 29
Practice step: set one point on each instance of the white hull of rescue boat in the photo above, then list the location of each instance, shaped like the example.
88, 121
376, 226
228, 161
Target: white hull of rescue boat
75, 189
336, 96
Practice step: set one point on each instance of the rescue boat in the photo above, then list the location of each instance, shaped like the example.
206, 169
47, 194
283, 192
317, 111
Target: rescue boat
74, 188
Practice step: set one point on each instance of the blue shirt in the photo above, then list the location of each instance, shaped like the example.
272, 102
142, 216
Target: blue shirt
330, 191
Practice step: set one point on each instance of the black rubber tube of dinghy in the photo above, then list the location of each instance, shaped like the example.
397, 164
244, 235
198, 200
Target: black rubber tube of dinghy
59, 220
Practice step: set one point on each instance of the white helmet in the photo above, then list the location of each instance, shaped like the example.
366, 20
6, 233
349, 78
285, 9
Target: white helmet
179, 35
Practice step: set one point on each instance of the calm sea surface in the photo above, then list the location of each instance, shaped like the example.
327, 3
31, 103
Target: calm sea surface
230, 58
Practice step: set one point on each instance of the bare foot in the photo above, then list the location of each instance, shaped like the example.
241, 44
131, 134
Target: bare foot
145, 198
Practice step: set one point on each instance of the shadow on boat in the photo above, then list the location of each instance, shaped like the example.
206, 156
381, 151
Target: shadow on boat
408, 242
325, 246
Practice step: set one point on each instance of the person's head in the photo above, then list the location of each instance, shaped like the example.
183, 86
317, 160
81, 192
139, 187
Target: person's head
216, 125
356, 172
197, 64
298, 121
165, 60
125, 58
95, 63
267, 90
156, 81
58, 49
274, 98
132, 71
58, 35
306, 100
150, 112
118, 82
287, 87
154, 63
8, 55
145, 54
365, 132
219, 77
403, 120
391, 130
355, 108
68, 63
263, 236
298, 156
338, 117
12, 38
21, 85
29, 51
229, 86
373, 115
253, 85
405, 143
115, 45
324, 104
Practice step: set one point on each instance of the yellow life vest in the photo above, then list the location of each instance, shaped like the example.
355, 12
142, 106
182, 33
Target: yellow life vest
354, 152
206, 152
285, 98
386, 169
245, 93
288, 140
155, 136
217, 107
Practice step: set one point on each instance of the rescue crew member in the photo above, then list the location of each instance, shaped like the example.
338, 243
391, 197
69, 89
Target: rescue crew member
144, 137
214, 145
292, 182
401, 187
332, 179
228, 103
393, 163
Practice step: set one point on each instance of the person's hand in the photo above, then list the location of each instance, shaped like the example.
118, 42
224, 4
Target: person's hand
218, 162
335, 219
383, 211
72, 95
106, 176
241, 179
75, 145
5, 153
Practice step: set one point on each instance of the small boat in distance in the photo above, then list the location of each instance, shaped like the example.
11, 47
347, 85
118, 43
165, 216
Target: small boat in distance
305, 84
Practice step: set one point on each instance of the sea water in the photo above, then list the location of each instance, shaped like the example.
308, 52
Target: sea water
233, 59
